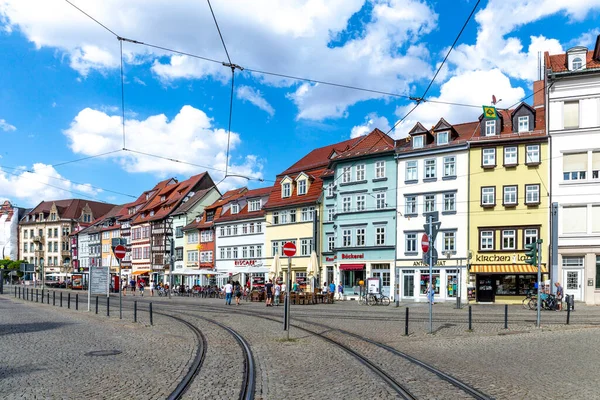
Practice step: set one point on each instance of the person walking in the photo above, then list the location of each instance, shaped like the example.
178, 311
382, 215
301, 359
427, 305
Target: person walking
277, 293
132, 286
238, 293
431, 294
340, 290
269, 293
141, 287
228, 292
151, 288
559, 296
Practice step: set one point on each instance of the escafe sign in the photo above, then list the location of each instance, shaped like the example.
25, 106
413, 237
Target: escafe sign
245, 263
352, 256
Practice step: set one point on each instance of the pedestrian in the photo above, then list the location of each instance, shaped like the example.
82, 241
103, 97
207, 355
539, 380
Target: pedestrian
559, 296
124, 286
132, 286
283, 287
430, 293
340, 291
325, 288
151, 288
228, 292
277, 293
141, 287
332, 288
238, 292
269, 292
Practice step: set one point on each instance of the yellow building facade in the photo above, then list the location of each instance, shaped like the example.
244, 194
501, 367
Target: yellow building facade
508, 206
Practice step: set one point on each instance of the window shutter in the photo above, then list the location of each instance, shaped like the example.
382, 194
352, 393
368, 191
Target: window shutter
575, 162
574, 219
596, 161
571, 112
596, 219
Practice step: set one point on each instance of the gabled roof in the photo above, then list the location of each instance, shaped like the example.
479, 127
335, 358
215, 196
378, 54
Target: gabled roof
192, 201
311, 196
244, 213
418, 129
558, 62
217, 208
375, 142
72, 208
464, 132
522, 105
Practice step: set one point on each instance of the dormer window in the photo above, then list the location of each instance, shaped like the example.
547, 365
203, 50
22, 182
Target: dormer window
490, 127
163, 197
152, 213
418, 142
287, 190
577, 64
235, 208
442, 138
254, 205
302, 187
524, 124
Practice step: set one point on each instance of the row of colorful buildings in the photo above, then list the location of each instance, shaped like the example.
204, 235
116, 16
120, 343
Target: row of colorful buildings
497, 185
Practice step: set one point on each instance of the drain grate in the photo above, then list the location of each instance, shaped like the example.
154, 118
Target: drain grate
103, 353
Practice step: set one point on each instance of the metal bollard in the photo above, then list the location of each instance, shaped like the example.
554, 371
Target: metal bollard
15, 292
470, 319
406, 323
37, 295
568, 315
61, 299
135, 311
77, 301
96, 304
53, 298
48, 298
108, 306
151, 320
19, 292
69, 300
506, 316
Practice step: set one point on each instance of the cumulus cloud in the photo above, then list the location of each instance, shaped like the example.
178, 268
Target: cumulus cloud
189, 136
6, 127
255, 97
372, 121
42, 182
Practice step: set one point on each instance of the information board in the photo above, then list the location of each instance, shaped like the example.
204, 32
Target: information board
99, 280
373, 285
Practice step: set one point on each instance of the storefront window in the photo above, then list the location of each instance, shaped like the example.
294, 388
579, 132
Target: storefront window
452, 282
424, 281
350, 281
506, 285
409, 283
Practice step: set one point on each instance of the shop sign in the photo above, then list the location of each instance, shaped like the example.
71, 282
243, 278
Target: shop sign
500, 258
440, 263
353, 256
245, 263
258, 280
330, 259
301, 280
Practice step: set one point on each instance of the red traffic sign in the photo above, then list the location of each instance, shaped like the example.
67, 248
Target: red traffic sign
425, 243
289, 249
120, 252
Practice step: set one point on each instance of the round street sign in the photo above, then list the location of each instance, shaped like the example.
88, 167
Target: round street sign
425, 243
289, 249
120, 252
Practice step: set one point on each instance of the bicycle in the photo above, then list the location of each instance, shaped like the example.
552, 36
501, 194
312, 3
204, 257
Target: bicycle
528, 297
375, 299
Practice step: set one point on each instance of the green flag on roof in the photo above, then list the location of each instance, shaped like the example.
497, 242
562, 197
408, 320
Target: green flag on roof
489, 112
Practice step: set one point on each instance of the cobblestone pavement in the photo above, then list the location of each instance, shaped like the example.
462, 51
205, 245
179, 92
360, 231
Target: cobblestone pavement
523, 362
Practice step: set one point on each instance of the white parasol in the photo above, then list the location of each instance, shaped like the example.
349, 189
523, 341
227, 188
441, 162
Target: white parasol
275, 266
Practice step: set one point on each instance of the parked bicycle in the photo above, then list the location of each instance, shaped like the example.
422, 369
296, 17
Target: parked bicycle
374, 299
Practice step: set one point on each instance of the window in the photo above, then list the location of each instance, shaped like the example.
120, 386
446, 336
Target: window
486, 240
292, 217
380, 169
574, 219
411, 205
411, 171
207, 236
206, 256
571, 114
532, 154
489, 158
146, 252
442, 138
302, 187
228, 252
510, 156
346, 174
228, 230
330, 242
235, 252
449, 202
449, 244
488, 196
50, 232
192, 256
275, 218
360, 202
530, 236
360, 236
287, 190
346, 238
346, 203
429, 203
222, 231
575, 166
595, 165
56, 248
360, 172
25, 234
179, 254
417, 142
259, 251
450, 166
330, 214
510, 196
244, 251
577, 64
105, 235
222, 253
305, 247
524, 124
307, 213
380, 235
490, 127
283, 219
179, 232
330, 190
254, 205
235, 229
508, 239
380, 201
251, 227
193, 237
275, 247
235, 208
430, 168
411, 242
55, 232
532, 194
251, 252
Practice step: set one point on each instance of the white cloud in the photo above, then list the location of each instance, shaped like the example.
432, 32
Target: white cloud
41, 182
292, 37
372, 121
6, 127
473, 87
139, 81
189, 136
255, 97
587, 39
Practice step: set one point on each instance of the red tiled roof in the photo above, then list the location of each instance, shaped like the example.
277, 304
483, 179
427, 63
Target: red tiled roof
217, 206
319, 158
465, 132
558, 62
374, 142
244, 213
312, 195
72, 208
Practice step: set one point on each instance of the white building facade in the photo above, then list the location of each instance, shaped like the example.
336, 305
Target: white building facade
9, 230
573, 97
433, 169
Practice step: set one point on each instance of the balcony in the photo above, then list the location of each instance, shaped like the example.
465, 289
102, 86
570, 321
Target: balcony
38, 239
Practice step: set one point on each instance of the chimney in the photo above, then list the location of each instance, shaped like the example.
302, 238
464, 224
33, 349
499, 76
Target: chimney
539, 94
597, 49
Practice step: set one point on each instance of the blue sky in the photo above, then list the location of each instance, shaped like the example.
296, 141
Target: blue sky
60, 91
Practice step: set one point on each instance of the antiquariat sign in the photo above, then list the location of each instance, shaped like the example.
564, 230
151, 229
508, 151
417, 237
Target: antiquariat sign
353, 256
500, 258
440, 263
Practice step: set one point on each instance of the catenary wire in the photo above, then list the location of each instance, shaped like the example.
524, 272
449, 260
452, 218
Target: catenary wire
122, 93
219, 30
85, 158
93, 19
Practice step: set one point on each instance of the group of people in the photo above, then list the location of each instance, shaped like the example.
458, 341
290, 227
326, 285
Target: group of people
331, 288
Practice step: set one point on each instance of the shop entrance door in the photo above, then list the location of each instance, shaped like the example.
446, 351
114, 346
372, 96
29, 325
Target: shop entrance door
409, 284
572, 279
384, 277
350, 280
485, 289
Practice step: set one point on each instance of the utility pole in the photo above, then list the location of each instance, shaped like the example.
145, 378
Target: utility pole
539, 265
554, 246
171, 265
430, 257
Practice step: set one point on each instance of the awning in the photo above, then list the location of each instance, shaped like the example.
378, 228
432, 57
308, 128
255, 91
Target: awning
506, 269
141, 272
352, 267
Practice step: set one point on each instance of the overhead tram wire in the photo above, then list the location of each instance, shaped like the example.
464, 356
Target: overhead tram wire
92, 18
122, 92
85, 158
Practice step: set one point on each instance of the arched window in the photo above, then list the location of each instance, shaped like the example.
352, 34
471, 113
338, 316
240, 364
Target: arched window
577, 63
